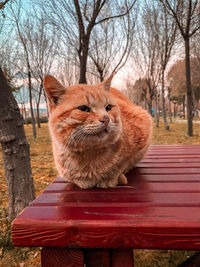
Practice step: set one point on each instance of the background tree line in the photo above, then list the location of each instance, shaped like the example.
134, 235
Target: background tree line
82, 41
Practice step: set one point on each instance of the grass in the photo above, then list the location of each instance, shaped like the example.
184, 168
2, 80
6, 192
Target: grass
44, 172
176, 135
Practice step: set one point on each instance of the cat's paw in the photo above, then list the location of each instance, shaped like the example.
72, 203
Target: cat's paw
83, 184
122, 179
107, 183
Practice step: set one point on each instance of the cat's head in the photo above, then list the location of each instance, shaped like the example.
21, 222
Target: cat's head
82, 116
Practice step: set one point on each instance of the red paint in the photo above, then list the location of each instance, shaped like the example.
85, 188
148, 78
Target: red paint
159, 208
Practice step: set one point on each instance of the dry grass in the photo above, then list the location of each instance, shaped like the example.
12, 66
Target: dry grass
44, 172
176, 135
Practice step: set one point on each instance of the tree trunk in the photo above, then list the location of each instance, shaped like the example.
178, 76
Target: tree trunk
47, 108
170, 112
31, 104
184, 109
15, 150
188, 87
101, 75
38, 115
174, 110
163, 103
156, 111
149, 104
38, 105
83, 62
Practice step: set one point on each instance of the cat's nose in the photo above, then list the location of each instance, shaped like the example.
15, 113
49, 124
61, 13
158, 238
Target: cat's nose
105, 120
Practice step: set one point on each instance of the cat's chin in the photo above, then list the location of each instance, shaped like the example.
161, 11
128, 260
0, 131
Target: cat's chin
96, 141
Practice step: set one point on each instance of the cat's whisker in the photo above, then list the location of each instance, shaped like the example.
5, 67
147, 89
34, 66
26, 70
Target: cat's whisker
76, 137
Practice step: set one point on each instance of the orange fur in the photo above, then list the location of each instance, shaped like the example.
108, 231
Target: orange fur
95, 147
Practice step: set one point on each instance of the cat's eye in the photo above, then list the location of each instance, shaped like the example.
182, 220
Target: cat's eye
84, 108
108, 107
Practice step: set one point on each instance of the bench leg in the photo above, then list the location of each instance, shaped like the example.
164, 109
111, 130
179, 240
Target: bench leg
122, 258
64, 257
61, 257
109, 258
97, 257
193, 261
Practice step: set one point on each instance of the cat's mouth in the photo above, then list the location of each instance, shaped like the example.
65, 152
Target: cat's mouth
104, 131
99, 133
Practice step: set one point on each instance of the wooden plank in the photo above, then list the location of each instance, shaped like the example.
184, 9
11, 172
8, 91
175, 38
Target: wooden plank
163, 236
54, 257
176, 152
166, 178
169, 165
132, 177
174, 147
170, 160
122, 258
111, 215
172, 156
131, 188
155, 199
110, 227
169, 170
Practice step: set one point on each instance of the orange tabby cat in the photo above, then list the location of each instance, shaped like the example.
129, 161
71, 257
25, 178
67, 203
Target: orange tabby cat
97, 133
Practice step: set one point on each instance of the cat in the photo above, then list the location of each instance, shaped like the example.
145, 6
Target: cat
97, 133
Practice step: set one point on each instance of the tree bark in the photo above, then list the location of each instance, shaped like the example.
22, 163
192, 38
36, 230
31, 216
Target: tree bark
15, 150
188, 87
184, 109
83, 55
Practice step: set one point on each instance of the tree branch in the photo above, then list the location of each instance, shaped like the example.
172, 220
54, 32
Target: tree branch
194, 31
80, 19
174, 14
2, 4
117, 16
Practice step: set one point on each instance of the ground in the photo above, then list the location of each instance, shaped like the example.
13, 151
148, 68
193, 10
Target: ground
44, 172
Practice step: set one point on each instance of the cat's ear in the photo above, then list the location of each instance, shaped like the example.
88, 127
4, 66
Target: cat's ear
54, 90
107, 83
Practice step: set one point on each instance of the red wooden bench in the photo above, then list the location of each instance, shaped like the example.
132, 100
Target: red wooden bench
158, 209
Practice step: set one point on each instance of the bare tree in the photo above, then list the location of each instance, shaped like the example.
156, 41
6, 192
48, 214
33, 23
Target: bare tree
15, 151
137, 92
22, 35
146, 57
76, 20
166, 31
186, 14
111, 44
42, 46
